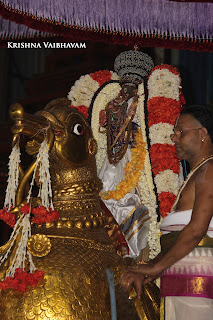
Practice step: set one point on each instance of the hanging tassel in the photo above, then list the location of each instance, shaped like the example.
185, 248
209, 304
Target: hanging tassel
13, 177
45, 190
17, 277
21, 254
17, 270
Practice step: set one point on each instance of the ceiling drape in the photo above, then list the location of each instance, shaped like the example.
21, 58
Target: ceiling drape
171, 24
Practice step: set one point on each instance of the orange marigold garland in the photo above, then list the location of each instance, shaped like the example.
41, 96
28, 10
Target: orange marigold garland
132, 171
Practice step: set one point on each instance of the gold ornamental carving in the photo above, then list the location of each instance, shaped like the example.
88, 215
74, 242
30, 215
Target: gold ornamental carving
39, 245
74, 251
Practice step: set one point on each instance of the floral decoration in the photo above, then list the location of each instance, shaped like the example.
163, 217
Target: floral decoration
101, 76
81, 93
42, 214
162, 109
108, 93
82, 109
26, 209
166, 200
164, 104
132, 171
22, 280
8, 217
145, 184
158, 151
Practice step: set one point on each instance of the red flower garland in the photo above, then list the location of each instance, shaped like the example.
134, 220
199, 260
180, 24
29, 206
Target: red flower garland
41, 215
22, 280
8, 217
158, 151
82, 109
163, 156
26, 209
166, 200
163, 109
168, 67
101, 76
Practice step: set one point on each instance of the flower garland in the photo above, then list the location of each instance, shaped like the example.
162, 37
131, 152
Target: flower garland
82, 91
13, 176
81, 94
41, 214
84, 110
22, 280
145, 184
17, 277
106, 95
8, 217
102, 76
158, 151
132, 171
164, 105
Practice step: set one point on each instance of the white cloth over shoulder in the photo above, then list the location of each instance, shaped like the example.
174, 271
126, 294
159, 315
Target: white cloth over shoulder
132, 216
177, 220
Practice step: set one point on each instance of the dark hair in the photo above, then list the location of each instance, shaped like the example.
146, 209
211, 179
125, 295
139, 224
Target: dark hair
203, 114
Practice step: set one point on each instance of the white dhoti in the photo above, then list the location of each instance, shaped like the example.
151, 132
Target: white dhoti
187, 286
132, 216
188, 308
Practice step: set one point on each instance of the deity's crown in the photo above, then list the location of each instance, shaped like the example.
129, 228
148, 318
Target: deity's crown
133, 65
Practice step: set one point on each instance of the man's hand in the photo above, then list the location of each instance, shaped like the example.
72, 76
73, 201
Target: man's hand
149, 270
129, 278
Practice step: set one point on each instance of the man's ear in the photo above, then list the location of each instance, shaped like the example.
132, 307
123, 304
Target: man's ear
203, 134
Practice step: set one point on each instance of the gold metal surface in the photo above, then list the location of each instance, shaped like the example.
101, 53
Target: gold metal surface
39, 245
5, 247
75, 285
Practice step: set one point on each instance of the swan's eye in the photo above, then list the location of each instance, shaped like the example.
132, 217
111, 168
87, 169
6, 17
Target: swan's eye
78, 129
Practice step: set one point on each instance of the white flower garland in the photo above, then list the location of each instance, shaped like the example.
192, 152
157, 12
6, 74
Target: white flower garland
164, 83
13, 177
145, 184
109, 92
160, 133
22, 227
167, 181
82, 91
161, 82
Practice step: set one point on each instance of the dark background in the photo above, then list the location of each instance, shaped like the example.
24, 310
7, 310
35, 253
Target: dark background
33, 77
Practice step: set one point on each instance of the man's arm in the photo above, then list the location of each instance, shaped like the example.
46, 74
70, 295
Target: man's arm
191, 235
